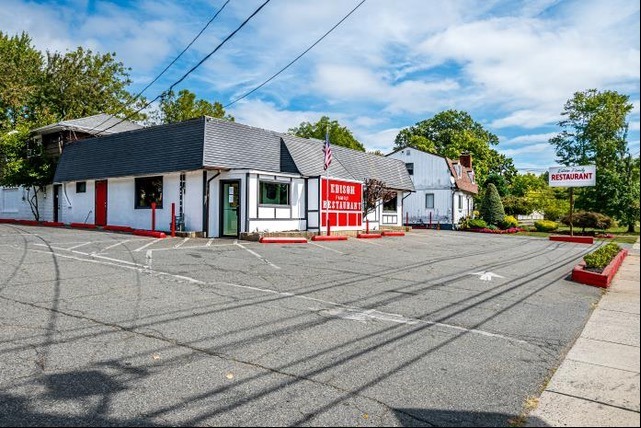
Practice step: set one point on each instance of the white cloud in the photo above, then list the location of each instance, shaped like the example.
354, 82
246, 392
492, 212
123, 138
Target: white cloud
528, 139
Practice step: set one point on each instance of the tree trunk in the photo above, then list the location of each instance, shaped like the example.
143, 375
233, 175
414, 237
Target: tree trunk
631, 228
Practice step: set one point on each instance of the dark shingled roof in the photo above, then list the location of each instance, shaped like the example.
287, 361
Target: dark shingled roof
98, 123
214, 143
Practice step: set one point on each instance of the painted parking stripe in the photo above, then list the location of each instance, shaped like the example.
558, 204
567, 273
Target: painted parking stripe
79, 245
326, 248
367, 241
148, 244
180, 244
209, 242
255, 254
112, 246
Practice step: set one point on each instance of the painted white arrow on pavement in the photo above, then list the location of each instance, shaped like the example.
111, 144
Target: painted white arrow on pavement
487, 276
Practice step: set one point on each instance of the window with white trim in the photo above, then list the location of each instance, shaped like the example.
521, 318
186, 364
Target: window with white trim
429, 200
271, 193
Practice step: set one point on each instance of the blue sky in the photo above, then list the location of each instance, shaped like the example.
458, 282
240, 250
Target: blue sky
511, 64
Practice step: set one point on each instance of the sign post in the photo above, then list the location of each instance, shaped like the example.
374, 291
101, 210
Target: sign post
572, 176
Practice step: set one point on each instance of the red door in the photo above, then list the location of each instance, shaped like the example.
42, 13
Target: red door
101, 203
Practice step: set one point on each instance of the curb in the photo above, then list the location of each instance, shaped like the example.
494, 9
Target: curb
150, 233
83, 225
393, 233
277, 240
369, 235
576, 239
329, 238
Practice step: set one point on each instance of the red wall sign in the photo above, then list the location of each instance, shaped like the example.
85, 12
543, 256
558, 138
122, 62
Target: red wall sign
342, 203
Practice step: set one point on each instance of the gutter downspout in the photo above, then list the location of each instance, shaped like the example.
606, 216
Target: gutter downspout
206, 202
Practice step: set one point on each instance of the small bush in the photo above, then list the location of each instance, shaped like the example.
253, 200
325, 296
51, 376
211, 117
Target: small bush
600, 258
492, 227
508, 222
588, 219
545, 225
477, 223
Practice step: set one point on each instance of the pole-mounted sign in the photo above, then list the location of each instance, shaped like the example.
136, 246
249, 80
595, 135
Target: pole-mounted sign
572, 176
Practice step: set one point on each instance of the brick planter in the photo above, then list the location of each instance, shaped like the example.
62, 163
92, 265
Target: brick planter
603, 279
576, 239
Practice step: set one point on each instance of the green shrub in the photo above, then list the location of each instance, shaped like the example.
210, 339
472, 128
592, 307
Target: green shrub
492, 227
600, 258
588, 219
491, 206
477, 223
545, 225
509, 221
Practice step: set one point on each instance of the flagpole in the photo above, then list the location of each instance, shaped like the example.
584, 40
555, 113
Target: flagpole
327, 180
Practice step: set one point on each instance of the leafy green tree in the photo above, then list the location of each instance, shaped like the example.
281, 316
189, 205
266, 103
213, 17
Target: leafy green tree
338, 135
491, 206
185, 106
25, 164
36, 90
20, 77
594, 131
81, 83
499, 182
452, 132
628, 209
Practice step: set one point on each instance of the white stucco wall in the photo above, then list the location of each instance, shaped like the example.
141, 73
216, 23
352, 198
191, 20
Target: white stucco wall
13, 206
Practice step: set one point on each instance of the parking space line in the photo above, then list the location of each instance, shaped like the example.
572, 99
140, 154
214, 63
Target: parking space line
180, 244
147, 244
354, 310
368, 241
79, 245
256, 255
209, 242
111, 246
326, 248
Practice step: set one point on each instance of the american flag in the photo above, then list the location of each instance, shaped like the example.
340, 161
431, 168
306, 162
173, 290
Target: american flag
327, 150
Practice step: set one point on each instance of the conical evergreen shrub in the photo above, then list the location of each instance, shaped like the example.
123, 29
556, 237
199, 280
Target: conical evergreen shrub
491, 206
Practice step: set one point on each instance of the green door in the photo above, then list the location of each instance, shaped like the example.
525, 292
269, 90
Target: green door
231, 207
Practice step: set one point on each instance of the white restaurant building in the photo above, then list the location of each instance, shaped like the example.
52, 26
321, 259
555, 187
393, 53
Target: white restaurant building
225, 180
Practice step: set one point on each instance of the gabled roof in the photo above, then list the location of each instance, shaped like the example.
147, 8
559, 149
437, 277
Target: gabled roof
219, 144
347, 163
463, 182
99, 123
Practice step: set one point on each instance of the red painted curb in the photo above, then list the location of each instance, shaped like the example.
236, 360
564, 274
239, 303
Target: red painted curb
329, 238
83, 225
7, 220
279, 240
118, 228
602, 279
150, 233
576, 239
393, 233
369, 235
52, 223
27, 222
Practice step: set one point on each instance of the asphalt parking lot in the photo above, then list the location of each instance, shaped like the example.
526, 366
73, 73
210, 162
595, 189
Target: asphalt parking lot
436, 328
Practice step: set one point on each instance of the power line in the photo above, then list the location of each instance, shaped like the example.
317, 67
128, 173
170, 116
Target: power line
191, 70
295, 59
171, 63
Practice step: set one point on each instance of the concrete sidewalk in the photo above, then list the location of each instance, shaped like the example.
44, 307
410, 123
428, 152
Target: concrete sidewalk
598, 382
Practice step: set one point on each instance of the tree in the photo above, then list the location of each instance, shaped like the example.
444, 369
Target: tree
185, 106
594, 131
491, 206
375, 192
499, 182
81, 83
25, 164
452, 132
20, 76
36, 90
628, 207
338, 135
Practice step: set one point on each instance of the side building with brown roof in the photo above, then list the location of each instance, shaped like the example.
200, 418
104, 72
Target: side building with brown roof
444, 188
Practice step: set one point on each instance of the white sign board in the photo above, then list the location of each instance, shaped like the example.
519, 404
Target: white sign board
572, 176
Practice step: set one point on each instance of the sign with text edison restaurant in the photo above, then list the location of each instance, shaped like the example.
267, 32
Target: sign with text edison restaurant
342, 203
573, 176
